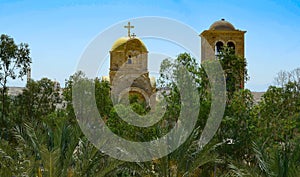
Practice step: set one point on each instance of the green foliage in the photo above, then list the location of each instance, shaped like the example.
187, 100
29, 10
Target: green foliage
131, 132
279, 112
236, 129
274, 133
14, 63
38, 99
103, 100
43, 138
235, 70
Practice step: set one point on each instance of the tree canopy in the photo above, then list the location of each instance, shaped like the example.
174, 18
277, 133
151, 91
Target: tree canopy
42, 137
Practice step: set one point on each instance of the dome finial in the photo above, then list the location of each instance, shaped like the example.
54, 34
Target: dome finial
128, 26
223, 19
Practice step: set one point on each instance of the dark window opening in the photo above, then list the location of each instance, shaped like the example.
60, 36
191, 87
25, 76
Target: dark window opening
219, 47
129, 61
232, 46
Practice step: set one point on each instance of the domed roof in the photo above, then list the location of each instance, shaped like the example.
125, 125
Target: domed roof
119, 43
222, 25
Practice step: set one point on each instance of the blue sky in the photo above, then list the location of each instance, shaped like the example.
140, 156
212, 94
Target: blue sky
59, 31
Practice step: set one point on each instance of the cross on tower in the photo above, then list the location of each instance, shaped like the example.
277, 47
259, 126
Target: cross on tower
128, 28
133, 35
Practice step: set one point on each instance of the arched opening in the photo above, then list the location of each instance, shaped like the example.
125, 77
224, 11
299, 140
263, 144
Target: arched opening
232, 46
218, 47
129, 60
135, 95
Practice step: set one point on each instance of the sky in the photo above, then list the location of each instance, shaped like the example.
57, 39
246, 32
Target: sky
59, 31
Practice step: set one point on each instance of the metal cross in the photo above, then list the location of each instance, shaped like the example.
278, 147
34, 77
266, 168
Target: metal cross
133, 35
128, 28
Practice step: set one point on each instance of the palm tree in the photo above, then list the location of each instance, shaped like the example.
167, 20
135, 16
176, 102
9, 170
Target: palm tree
188, 160
281, 160
58, 149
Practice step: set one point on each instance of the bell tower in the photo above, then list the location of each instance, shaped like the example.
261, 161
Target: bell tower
221, 33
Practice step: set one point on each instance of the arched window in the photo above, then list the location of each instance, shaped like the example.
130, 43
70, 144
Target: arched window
129, 61
232, 46
218, 47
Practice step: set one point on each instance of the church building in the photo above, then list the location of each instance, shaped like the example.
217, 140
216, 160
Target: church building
128, 72
222, 33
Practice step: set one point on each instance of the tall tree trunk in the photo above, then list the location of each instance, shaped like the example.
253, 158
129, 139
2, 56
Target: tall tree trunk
3, 115
4, 112
3, 106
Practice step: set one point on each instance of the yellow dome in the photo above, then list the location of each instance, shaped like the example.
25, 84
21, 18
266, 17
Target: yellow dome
119, 43
222, 25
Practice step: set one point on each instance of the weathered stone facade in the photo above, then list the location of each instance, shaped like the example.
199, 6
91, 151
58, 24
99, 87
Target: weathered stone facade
129, 68
224, 32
